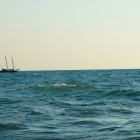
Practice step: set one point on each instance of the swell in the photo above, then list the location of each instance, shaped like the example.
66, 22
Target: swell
60, 88
9, 101
122, 93
10, 126
79, 89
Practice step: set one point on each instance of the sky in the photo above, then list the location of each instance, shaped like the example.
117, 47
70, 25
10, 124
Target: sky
70, 34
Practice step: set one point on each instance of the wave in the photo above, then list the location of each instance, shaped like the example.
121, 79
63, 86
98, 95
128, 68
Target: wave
9, 101
58, 85
122, 93
80, 91
10, 126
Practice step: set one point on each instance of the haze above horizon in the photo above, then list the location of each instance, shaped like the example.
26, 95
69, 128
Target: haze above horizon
70, 34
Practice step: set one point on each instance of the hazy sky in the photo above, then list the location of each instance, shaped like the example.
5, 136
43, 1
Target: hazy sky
70, 34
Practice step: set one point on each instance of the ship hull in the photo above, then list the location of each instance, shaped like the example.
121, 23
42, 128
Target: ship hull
3, 71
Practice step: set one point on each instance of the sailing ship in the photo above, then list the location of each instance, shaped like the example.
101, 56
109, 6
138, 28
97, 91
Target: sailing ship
9, 70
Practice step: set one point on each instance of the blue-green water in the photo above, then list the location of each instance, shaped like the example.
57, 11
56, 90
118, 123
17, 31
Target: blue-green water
81, 105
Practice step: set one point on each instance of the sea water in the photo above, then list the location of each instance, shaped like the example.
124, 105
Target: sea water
67, 105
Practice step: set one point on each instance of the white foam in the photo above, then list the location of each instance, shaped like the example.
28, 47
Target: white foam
65, 85
57, 85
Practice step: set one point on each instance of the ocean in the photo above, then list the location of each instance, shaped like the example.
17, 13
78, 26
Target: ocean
73, 104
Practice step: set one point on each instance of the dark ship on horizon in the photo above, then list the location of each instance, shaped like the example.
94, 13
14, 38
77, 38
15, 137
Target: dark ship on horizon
9, 70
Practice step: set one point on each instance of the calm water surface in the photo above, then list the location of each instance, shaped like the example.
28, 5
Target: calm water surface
81, 105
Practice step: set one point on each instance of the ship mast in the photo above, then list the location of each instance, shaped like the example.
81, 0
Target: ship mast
6, 61
12, 63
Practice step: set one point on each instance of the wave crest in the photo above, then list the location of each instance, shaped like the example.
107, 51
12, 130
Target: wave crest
58, 85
